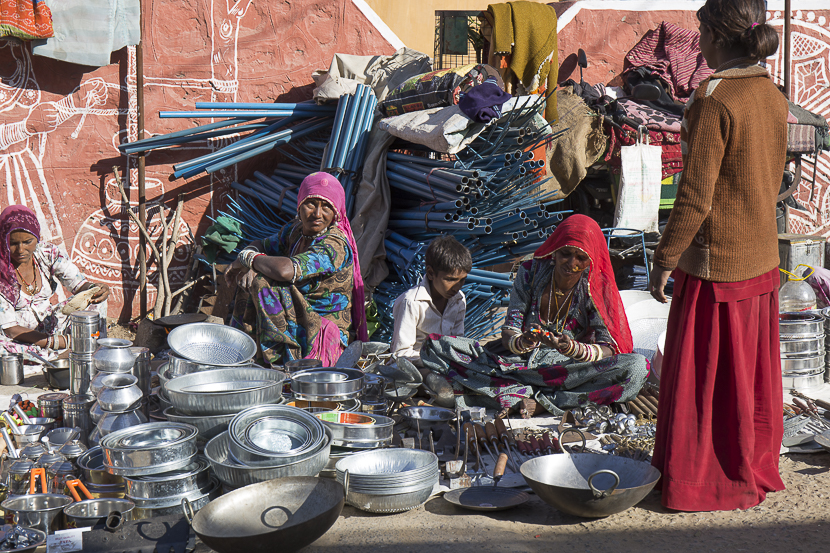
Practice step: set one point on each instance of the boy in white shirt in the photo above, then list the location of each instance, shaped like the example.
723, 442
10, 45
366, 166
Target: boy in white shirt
437, 304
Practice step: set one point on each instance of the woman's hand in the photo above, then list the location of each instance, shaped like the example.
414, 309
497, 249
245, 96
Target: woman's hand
102, 294
549, 339
657, 284
247, 279
232, 273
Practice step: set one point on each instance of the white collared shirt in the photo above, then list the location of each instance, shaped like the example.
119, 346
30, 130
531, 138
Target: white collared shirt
416, 317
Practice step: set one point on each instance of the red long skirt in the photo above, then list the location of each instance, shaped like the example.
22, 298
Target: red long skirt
721, 422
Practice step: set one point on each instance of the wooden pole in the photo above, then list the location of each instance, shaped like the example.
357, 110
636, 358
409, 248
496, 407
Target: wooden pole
787, 46
142, 194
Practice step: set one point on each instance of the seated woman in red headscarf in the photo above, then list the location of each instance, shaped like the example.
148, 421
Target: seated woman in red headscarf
566, 334
30, 271
305, 295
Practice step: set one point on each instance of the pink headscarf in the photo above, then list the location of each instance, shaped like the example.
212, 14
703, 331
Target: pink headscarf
326, 187
13, 218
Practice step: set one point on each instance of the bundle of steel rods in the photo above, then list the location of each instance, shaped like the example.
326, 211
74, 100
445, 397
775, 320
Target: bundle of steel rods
280, 125
352, 123
491, 198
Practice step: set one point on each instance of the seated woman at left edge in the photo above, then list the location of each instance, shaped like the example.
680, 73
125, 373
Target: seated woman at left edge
30, 271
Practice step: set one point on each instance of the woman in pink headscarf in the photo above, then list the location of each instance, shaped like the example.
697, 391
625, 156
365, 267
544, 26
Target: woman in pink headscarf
30, 271
305, 293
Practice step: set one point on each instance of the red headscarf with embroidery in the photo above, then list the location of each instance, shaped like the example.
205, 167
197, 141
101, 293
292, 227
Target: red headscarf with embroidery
13, 218
326, 187
579, 231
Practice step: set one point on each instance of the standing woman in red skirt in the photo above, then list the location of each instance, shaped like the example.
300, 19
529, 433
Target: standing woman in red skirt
721, 422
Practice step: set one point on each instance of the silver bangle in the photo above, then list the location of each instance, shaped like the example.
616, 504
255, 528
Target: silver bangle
294, 268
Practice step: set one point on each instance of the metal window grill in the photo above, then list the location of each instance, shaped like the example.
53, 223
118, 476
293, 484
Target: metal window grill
458, 39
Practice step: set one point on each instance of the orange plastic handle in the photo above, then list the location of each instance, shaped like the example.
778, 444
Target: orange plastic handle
75, 483
33, 480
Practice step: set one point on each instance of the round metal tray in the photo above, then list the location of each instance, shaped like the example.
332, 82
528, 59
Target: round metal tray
327, 382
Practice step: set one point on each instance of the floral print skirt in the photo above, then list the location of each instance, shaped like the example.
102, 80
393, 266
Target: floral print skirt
481, 377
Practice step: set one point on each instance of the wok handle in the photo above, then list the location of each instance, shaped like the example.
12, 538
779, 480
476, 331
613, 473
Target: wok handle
581, 435
187, 509
601, 494
346, 481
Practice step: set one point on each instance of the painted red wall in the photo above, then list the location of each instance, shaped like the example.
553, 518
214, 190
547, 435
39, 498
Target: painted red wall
194, 50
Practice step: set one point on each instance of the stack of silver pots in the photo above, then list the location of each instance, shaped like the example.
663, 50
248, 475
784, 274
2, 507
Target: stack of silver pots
118, 406
85, 329
328, 388
802, 350
208, 397
267, 442
159, 465
353, 433
388, 480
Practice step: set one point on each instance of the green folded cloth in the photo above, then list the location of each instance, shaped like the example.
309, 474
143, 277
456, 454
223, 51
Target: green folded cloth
224, 235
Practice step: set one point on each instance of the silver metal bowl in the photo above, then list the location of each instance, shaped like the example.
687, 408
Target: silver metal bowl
208, 425
245, 453
211, 344
149, 448
89, 512
387, 465
278, 435
328, 383
426, 416
234, 401
185, 480
389, 502
356, 434
235, 475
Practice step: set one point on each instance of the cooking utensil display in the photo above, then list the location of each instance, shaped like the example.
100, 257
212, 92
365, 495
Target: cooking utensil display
327, 384
59, 436
589, 484
89, 512
172, 505
427, 416
793, 325
234, 401
207, 425
292, 512
119, 392
191, 478
149, 448
16, 536
388, 480
234, 475
211, 344
113, 356
486, 498
293, 421
299, 365
41, 511
358, 430
91, 464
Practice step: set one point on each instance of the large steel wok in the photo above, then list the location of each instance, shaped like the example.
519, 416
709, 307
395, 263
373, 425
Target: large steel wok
284, 514
589, 484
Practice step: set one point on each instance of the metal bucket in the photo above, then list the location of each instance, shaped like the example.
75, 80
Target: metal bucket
81, 372
11, 369
84, 326
804, 382
76, 413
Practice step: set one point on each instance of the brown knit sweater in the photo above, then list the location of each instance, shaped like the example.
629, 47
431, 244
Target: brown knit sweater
734, 137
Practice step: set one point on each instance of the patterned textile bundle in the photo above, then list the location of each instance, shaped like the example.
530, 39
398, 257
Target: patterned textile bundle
25, 19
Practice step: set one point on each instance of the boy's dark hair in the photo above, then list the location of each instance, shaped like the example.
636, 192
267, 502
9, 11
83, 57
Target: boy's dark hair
447, 254
740, 23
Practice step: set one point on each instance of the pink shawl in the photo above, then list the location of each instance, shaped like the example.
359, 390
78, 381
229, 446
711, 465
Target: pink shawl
326, 187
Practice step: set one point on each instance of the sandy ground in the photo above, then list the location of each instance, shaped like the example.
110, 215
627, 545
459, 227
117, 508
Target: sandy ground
795, 520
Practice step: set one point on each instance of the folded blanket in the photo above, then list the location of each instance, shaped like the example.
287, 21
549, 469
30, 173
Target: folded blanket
527, 31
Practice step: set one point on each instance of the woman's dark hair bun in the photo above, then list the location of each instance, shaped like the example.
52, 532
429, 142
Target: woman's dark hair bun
761, 41
740, 23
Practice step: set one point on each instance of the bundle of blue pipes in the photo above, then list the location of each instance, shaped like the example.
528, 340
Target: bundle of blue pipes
490, 196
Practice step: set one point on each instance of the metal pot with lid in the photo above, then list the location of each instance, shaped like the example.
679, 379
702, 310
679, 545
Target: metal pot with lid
72, 450
33, 451
48, 458
19, 472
